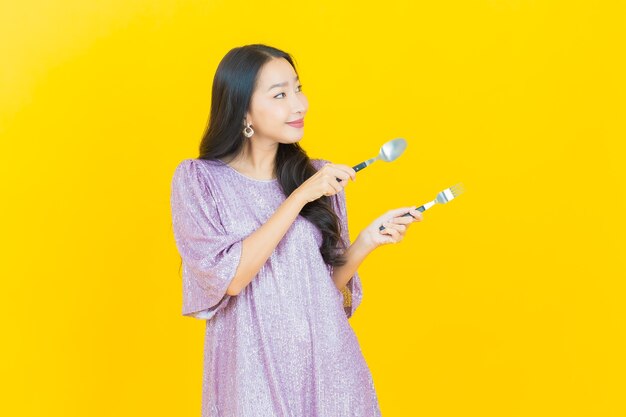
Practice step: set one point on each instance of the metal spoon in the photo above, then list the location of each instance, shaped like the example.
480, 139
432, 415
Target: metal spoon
390, 151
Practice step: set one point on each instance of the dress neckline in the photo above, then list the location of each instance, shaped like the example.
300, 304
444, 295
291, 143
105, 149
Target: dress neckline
245, 176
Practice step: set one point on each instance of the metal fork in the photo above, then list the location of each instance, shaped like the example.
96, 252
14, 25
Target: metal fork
443, 197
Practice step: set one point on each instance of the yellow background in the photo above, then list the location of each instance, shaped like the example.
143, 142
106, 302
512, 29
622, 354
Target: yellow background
507, 302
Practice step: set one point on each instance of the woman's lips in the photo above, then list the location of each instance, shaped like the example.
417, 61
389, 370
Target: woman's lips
296, 123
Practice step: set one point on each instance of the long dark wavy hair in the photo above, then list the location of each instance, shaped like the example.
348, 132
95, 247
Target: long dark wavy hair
233, 86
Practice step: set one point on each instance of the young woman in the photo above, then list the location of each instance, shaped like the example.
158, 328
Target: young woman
267, 260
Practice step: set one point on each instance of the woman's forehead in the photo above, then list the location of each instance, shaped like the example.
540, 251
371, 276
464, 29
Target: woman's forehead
276, 71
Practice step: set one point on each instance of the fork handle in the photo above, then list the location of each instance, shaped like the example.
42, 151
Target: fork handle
421, 209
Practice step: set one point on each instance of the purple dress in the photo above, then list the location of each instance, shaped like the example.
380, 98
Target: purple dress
283, 347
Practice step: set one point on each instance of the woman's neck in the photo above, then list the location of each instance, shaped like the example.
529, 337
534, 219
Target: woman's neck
255, 161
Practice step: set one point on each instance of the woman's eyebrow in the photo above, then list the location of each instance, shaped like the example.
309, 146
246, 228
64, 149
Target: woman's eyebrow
283, 84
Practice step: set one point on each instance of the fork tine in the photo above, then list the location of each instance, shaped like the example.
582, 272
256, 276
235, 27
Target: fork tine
457, 189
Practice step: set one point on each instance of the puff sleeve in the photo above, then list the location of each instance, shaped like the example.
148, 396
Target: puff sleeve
353, 292
210, 256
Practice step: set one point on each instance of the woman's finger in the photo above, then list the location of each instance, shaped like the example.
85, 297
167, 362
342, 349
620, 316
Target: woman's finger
399, 227
342, 182
415, 214
337, 186
398, 212
402, 220
400, 215
348, 170
338, 172
391, 230
394, 236
332, 188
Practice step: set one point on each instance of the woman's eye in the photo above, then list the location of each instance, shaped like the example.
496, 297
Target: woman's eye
283, 95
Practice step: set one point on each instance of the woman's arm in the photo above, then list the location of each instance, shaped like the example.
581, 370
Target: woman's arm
355, 255
371, 237
259, 245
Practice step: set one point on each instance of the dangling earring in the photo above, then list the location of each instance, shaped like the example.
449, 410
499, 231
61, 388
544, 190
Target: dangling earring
247, 131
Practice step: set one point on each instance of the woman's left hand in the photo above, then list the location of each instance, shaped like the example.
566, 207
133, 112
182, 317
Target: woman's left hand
395, 227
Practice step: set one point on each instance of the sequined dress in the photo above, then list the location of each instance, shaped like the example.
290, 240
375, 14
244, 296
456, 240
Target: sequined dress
283, 346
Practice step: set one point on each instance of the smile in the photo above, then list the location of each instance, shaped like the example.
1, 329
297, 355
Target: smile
297, 123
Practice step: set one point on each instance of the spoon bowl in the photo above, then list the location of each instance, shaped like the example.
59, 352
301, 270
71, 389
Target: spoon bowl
392, 150
389, 152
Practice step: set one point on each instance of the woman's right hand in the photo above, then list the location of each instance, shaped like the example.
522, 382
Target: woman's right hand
324, 182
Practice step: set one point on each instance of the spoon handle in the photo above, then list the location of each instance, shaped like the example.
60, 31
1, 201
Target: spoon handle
356, 168
359, 167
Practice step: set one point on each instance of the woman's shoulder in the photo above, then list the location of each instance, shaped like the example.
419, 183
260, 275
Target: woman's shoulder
196, 170
198, 165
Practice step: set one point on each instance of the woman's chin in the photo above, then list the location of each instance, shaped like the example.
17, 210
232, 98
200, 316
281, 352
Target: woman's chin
293, 139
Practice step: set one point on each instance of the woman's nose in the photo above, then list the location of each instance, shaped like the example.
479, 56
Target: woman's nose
299, 103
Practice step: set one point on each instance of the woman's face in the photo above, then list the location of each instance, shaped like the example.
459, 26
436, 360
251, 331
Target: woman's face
278, 105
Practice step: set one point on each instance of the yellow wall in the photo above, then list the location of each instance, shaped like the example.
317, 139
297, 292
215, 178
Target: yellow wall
506, 302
